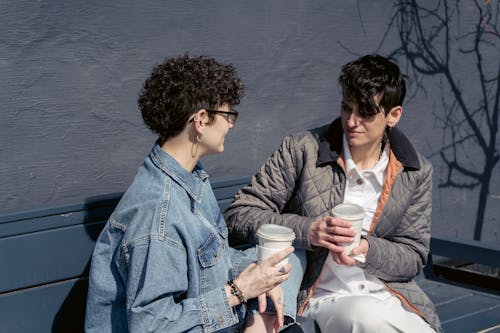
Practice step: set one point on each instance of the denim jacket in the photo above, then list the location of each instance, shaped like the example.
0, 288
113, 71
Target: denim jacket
162, 260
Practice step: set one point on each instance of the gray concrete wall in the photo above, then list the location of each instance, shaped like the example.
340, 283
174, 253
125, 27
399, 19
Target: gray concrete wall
71, 71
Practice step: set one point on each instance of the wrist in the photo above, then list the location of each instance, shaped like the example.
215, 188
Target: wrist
236, 291
233, 300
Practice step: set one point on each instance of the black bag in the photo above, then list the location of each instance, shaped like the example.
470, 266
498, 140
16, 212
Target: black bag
302, 325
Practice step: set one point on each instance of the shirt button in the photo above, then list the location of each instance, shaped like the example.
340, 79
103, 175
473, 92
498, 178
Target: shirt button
359, 181
361, 286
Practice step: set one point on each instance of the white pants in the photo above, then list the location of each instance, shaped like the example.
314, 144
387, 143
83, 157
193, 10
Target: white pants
364, 314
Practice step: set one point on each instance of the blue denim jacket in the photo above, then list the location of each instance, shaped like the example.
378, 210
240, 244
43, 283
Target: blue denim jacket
162, 260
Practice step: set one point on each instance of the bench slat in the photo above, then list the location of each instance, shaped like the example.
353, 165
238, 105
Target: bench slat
461, 309
90, 203
46, 256
473, 251
486, 320
54, 221
466, 306
57, 307
227, 189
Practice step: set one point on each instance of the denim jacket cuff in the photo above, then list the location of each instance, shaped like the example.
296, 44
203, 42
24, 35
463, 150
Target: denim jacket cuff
216, 312
242, 259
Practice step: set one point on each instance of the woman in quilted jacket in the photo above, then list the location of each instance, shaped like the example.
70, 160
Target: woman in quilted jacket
360, 158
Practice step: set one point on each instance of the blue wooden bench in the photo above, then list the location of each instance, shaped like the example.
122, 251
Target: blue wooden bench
44, 260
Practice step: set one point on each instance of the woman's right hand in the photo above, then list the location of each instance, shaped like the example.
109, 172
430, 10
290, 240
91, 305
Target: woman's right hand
259, 278
330, 232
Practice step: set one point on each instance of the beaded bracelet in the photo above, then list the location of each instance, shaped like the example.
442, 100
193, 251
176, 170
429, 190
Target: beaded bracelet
237, 291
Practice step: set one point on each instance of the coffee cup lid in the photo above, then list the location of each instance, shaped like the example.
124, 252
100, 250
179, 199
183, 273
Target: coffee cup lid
348, 211
276, 232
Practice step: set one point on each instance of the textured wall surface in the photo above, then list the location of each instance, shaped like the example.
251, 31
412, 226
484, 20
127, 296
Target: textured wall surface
71, 71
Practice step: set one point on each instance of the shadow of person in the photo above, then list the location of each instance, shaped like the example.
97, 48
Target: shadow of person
71, 315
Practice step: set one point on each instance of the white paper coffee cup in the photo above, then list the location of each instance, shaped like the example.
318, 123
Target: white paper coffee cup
354, 214
273, 238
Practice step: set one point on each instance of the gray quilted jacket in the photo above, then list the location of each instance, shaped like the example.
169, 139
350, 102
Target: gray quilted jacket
305, 178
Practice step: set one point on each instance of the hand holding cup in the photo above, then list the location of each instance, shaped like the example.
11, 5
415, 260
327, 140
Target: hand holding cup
273, 238
354, 214
259, 278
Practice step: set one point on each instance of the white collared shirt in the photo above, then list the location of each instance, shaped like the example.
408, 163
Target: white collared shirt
362, 188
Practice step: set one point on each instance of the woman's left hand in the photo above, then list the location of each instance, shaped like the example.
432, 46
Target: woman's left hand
343, 259
276, 295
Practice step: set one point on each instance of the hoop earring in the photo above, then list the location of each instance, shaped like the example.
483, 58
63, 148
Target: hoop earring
198, 138
194, 150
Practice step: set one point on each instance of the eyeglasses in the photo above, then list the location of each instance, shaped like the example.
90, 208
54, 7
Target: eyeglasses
230, 116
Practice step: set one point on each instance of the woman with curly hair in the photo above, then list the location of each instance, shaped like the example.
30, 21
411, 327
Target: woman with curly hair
162, 262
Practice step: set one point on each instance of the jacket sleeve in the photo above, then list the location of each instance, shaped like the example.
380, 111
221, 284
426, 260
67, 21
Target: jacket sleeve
241, 259
402, 256
157, 280
264, 200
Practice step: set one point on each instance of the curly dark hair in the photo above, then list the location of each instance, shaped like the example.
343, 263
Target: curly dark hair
179, 87
369, 76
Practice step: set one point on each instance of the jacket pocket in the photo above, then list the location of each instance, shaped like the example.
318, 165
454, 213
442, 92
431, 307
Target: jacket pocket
213, 267
210, 251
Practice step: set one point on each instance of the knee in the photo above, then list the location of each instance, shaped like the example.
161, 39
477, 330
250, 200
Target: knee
298, 261
292, 285
359, 312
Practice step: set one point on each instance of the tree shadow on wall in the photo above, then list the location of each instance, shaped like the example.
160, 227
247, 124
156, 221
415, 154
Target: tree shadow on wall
71, 314
433, 45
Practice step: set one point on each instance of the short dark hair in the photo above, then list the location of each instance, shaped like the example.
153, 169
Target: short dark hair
369, 76
179, 87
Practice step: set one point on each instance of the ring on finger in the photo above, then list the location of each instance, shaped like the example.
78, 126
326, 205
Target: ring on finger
282, 270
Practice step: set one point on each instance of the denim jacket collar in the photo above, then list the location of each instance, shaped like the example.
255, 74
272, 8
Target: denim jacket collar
330, 146
191, 182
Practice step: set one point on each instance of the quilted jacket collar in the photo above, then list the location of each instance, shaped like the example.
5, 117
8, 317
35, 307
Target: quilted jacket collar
330, 146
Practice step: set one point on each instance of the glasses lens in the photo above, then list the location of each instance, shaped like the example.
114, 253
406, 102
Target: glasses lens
230, 116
